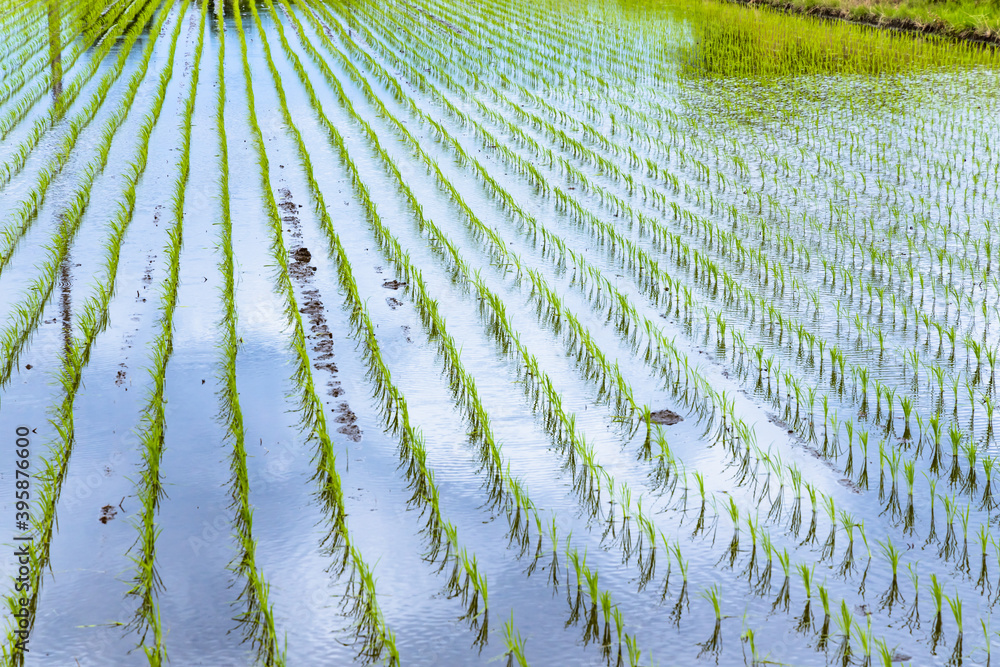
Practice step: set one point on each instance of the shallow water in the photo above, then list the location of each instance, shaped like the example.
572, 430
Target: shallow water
763, 197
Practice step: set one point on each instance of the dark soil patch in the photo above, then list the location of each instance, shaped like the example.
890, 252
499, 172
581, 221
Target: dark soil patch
108, 512
303, 273
666, 417
846, 483
312, 307
347, 417
352, 432
393, 302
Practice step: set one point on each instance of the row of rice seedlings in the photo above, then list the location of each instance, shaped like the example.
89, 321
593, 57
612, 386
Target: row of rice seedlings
25, 213
64, 23
727, 278
26, 315
505, 492
413, 276
146, 581
462, 384
818, 143
441, 534
460, 265
13, 16
608, 59
830, 446
506, 260
360, 603
824, 263
624, 400
458, 261
257, 619
53, 62
23, 69
22, 105
647, 526
464, 387
430, 302
482, 230
93, 321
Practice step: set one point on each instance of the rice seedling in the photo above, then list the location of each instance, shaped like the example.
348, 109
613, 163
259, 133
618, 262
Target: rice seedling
892, 596
937, 594
845, 623
93, 320
848, 525
805, 621
866, 640
983, 582
913, 617
822, 643
713, 645
784, 593
515, 644
950, 543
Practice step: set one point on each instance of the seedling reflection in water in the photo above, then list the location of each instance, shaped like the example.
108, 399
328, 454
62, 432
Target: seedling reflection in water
892, 555
714, 643
845, 622
805, 621
515, 644
956, 609
937, 593
913, 618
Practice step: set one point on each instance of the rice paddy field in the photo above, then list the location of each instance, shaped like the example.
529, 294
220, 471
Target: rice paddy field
439, 332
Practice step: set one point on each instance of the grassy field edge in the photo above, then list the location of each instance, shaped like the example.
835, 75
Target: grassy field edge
962, 20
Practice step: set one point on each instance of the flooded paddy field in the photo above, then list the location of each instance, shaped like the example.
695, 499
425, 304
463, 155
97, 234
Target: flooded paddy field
454, 333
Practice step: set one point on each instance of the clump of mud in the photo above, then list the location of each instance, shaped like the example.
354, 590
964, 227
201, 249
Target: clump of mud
302, 271
665, 417
108, 512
